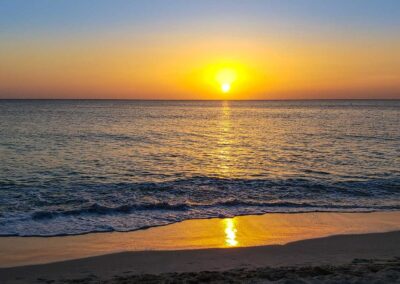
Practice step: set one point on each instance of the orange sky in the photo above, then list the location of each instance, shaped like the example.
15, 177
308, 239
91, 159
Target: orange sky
155, 63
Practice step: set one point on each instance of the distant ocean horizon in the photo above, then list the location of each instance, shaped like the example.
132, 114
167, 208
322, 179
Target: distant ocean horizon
79, 166
201, 100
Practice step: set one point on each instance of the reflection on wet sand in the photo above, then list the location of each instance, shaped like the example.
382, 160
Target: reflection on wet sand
230, 232
195, 234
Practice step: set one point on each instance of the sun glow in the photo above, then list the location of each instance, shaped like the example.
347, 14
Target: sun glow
225, 77
225, 88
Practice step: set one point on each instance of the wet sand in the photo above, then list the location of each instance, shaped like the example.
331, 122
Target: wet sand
244, 231
248, 243
357, 257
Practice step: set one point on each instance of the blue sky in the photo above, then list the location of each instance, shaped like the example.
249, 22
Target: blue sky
75, 16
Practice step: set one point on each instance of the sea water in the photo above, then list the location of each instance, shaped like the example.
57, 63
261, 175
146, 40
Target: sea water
73, 167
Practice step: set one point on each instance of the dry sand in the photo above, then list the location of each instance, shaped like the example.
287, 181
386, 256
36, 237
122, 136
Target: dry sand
359, 271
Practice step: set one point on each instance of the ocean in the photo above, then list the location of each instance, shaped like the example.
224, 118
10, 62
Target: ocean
80, 166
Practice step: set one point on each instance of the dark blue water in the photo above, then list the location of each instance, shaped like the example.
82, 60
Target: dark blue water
72, 167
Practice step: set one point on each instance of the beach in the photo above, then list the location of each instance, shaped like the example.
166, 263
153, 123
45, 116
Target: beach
210, 191
332, 243
199, 141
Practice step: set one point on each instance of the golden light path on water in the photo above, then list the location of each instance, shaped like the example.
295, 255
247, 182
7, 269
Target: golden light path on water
225, 142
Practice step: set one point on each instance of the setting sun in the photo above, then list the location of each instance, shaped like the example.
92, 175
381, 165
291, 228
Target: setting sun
225, 88
225, 77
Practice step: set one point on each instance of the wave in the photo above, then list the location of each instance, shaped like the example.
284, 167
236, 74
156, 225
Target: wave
357, 183
97, 209
83, 207
100, 209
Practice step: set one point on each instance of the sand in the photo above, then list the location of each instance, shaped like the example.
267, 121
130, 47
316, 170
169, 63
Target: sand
254, 249
359, 271
244, 231
364, 257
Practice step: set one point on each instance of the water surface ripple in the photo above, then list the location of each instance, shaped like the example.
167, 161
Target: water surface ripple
73, 167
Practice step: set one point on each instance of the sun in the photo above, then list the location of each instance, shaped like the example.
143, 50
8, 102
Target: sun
225, 77
225, 88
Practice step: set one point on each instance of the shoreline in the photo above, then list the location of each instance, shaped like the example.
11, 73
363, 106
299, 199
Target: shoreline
197, 219
241, 231
332, 256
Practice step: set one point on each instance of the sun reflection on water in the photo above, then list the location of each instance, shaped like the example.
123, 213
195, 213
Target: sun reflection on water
224, 143
230, 233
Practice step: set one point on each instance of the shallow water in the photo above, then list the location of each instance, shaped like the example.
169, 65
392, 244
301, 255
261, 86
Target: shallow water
72, 167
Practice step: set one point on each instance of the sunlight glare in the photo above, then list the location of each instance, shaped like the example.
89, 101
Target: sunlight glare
225, 88
230, 233
225, 77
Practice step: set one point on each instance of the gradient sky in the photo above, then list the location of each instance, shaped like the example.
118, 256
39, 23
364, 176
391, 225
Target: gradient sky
304, 49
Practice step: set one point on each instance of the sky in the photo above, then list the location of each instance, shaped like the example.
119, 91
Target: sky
187, 49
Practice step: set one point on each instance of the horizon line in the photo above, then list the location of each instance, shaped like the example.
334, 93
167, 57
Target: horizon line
255, 100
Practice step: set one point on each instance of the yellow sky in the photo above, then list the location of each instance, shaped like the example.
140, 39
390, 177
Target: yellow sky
187, 67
